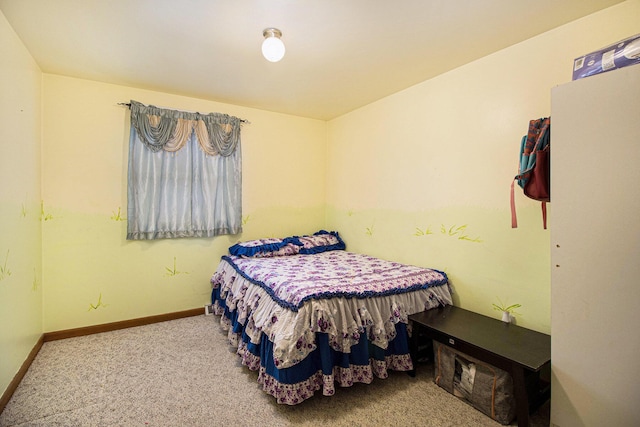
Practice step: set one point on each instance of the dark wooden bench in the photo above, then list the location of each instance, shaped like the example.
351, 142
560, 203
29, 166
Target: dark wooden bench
522, 352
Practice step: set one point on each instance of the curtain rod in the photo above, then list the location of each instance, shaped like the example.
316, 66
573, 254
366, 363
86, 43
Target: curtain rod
128, 105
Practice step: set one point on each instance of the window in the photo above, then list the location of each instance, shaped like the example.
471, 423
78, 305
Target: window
185, 174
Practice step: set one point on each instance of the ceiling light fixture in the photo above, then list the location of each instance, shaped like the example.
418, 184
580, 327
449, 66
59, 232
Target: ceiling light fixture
272, 46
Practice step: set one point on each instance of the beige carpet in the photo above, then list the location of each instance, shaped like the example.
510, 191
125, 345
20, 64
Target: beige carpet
183, 373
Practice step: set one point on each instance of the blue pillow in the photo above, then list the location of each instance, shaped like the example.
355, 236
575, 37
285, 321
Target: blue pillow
259, 247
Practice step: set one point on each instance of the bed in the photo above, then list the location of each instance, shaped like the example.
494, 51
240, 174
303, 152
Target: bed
309, 315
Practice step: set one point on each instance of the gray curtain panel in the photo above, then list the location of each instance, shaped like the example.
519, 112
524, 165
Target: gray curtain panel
185, 174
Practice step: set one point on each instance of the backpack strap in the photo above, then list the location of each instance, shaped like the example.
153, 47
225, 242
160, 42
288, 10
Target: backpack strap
514, 219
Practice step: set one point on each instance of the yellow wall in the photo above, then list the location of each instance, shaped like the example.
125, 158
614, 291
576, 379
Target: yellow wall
423, 176
20, 239
93, 275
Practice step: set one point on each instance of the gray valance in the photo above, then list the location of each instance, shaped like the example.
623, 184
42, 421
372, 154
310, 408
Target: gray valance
169, 130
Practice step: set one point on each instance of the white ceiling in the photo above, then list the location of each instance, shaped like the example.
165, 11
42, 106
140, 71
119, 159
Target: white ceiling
341, 54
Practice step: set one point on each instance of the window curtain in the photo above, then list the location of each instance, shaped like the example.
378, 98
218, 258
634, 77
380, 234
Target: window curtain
185, 174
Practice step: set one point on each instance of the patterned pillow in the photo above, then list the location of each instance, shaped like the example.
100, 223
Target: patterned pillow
321, 241
287, 249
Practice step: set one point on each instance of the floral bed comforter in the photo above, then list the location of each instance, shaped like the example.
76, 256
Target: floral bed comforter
345, 295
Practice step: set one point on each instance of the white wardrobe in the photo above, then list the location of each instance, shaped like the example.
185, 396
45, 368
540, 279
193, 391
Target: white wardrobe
595, 250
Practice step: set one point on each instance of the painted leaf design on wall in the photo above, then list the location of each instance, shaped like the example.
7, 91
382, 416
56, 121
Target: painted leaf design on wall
419, 232
458, 232
4, 270
44, 216
174, 271
369, 230
98, 304
117, 216
35, 280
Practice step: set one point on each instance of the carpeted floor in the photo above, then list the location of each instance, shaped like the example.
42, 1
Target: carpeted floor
183, 373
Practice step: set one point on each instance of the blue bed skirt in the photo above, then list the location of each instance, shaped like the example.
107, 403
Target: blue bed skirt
322, 369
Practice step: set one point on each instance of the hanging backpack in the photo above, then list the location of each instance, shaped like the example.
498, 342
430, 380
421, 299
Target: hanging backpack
534, 168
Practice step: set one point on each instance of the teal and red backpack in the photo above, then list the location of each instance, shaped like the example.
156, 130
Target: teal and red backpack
534, 168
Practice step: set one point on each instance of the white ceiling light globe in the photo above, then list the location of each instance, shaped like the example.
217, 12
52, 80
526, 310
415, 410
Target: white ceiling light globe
272, 47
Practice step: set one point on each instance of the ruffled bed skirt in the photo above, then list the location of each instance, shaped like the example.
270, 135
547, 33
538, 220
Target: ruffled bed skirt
322, 369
